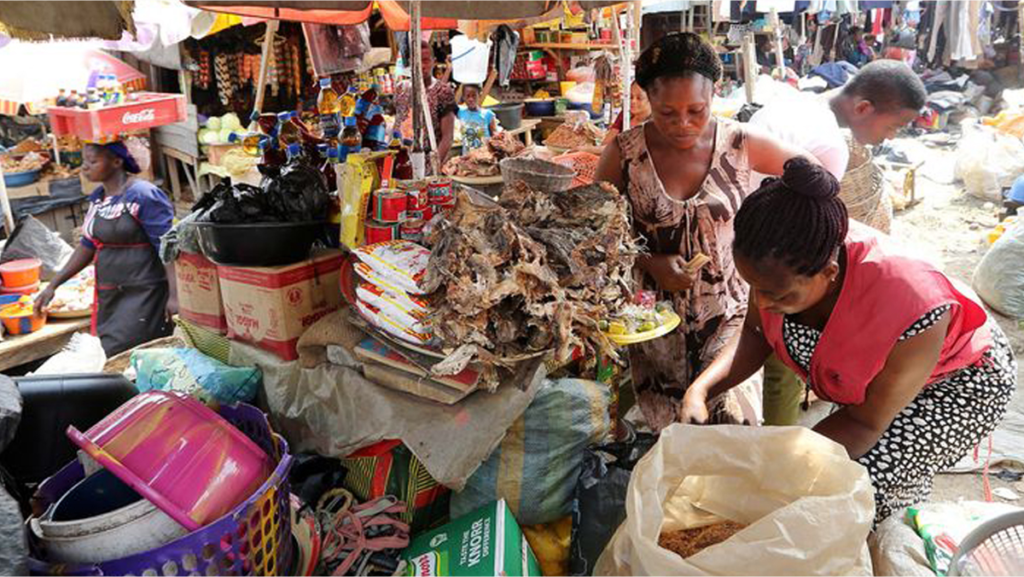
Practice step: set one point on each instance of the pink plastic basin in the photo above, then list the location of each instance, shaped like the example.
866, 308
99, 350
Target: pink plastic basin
179, 454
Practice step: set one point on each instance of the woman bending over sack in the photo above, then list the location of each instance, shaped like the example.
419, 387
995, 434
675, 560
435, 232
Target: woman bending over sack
921, 375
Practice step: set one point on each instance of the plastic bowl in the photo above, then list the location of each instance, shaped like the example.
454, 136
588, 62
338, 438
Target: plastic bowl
21, 273
19, 290
19, 322
586, 106
258, 244
540, 107
101, 518
510, 114
176, 452
16, 179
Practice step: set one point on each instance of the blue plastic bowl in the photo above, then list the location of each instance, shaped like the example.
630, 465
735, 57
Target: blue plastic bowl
585, 106
540, 107
16, 179
1017, 191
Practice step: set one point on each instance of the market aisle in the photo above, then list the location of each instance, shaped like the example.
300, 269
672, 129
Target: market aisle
950, 226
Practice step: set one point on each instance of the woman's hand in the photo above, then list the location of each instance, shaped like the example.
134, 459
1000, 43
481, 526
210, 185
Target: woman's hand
694, 410
670, 272
42, 302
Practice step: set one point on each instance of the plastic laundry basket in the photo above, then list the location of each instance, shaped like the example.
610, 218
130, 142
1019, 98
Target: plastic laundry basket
253, 539
996, 547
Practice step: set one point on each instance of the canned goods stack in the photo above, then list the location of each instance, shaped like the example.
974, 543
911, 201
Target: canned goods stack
404, 213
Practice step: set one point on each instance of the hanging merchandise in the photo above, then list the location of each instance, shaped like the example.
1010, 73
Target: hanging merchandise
506, 41
296, 68
280, 64
221, 66
204, 70
336, 49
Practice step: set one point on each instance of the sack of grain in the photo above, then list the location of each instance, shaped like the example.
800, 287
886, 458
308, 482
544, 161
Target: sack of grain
797, 503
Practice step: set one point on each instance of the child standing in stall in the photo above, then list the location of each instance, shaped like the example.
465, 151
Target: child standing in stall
478, 124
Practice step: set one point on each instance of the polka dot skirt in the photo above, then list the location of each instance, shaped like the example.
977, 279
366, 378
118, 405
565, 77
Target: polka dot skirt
942, 424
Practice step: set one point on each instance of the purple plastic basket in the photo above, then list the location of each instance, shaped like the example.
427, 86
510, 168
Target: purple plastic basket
253, 539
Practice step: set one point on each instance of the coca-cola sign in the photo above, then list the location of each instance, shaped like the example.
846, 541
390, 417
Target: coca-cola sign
147, 115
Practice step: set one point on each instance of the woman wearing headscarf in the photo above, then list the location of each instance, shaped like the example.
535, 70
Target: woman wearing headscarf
135, 294
686, 173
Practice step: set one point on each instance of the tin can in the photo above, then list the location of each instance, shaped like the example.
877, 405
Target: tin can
425, 213
380, 231
412, 231
441, 190
390, 205
418, 192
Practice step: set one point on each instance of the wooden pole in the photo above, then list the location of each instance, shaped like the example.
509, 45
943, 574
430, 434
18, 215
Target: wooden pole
749, 64
268, 45
416, 63
5, 205
779, 61
624, 66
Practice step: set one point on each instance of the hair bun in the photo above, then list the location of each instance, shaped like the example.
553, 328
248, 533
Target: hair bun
809, 179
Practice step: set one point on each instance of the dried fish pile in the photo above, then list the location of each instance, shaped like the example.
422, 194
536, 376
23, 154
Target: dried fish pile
535, 274
484, 160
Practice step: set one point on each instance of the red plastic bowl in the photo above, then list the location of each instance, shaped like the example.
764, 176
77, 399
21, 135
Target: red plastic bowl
179, 454
21, 273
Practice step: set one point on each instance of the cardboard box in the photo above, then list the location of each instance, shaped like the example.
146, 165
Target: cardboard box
199, 299
272, 306
485, 542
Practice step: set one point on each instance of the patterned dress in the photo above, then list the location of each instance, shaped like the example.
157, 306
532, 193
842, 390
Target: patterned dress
945, 421
713, 310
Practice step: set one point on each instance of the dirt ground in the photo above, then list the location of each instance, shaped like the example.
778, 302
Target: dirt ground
951, 226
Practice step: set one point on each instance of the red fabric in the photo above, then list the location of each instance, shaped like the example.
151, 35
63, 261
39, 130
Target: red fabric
883, 294
395, 17
617, 125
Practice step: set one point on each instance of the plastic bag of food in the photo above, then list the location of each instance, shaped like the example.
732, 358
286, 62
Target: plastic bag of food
192, 372
398, 263
807, 507
416, 335
408, 310
999, 278
357, 179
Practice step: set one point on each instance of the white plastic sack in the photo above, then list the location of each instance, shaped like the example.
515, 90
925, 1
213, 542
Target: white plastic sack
808, 507
999, 278
83, 354
988, 161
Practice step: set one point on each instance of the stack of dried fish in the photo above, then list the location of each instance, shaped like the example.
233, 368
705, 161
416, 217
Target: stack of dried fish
484, 160
535, 274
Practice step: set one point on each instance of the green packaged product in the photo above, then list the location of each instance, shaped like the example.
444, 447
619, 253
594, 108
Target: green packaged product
488, 541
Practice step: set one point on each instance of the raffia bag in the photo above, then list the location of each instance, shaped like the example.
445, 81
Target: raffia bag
863, 189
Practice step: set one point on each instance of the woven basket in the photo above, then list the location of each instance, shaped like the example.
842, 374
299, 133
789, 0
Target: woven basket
538, 174
862, 189
253, 539
121, 361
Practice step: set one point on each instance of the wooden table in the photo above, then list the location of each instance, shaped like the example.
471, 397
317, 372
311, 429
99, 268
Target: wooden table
17, 350
526, 129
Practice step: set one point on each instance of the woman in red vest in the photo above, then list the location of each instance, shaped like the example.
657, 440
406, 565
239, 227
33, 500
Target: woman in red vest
918, 372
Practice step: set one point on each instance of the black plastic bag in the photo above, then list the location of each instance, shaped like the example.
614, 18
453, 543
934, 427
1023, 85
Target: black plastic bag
600, 504
312, 475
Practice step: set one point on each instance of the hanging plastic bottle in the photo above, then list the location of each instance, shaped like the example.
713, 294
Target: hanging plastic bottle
328, 105
403, 164
347, 105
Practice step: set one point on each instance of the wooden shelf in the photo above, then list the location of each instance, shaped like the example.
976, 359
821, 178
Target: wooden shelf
569, 46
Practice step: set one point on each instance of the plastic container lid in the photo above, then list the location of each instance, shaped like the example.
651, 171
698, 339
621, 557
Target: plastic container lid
1017, 190
20, 265
325, 83
283, 116
350, 121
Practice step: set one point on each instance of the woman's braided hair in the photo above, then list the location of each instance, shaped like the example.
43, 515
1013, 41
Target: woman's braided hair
678, 55
798, 219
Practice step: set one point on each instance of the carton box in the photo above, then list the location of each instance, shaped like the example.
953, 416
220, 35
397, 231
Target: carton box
272, 306
199, 299
488, 541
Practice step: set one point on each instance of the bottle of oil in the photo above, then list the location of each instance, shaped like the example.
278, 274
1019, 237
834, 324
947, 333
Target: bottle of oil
328, 105
347, 105
351, 139
287, 131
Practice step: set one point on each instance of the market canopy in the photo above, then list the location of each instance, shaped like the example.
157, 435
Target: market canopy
436, 14
105, 19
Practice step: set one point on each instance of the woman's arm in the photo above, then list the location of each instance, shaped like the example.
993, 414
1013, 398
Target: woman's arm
741, 358
172, 289
80, 259
768, 155
609, 167
906, 371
